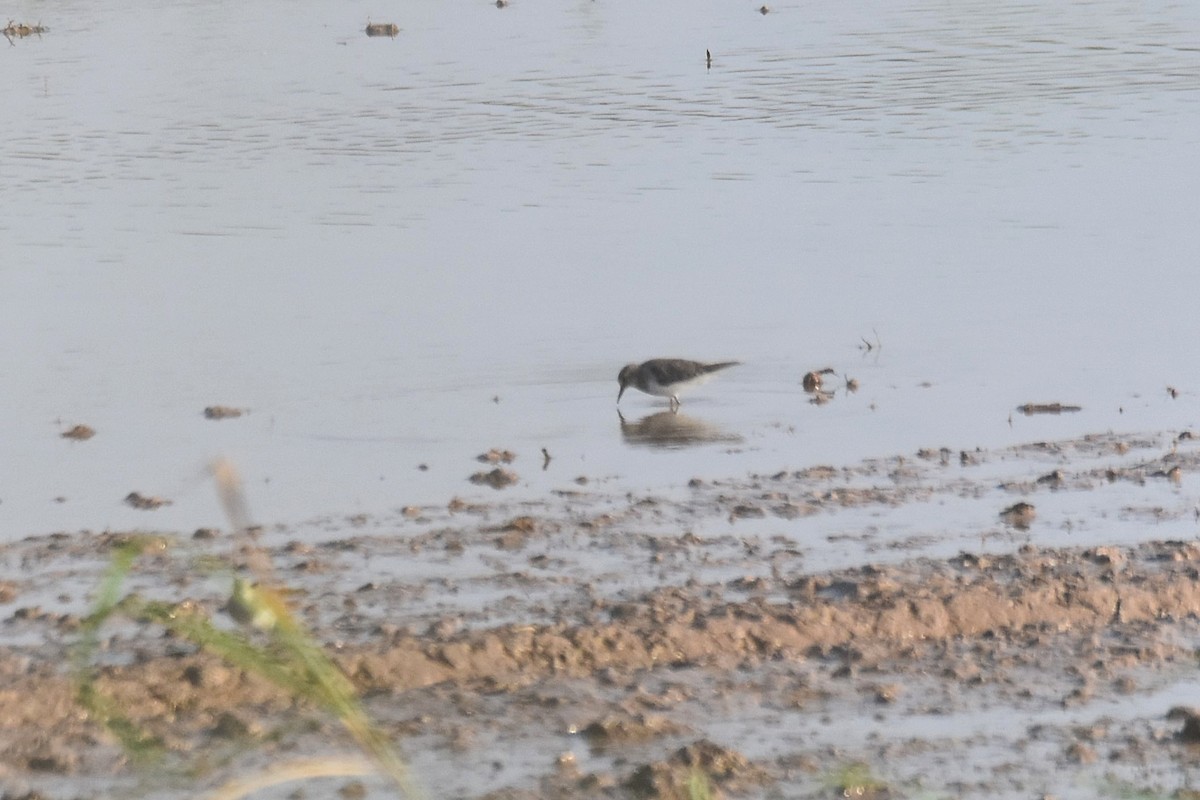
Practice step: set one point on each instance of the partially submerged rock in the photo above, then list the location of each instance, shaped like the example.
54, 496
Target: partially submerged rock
496, 456
144, 502
498, 478
1019, 515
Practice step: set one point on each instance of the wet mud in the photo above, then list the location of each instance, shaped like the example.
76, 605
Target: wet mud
571, 648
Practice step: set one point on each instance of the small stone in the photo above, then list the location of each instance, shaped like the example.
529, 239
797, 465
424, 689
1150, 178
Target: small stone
888, 693
1052, 479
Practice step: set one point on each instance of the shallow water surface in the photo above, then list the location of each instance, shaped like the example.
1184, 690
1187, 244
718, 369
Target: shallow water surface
401, 252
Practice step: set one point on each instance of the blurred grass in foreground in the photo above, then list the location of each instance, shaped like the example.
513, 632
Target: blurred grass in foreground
282, 651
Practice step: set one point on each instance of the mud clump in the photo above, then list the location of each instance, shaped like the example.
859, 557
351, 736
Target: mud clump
514, 630
621, 729
496, 456
79, 433
1190, 733
670, 779
1019, 515
499, 478
648, 668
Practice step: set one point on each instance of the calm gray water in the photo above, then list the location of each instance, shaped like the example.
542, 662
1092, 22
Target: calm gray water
405, 251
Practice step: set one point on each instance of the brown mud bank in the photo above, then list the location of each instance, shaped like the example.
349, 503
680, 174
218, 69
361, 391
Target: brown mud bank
503, 669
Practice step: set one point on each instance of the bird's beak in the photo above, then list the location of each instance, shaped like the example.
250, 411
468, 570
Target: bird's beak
621, 392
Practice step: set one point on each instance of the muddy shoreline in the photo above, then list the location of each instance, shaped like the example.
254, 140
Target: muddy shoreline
563, 650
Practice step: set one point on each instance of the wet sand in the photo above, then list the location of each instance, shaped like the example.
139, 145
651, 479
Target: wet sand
564, 649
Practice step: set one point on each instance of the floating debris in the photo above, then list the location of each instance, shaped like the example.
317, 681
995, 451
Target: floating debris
80, 433
389, 29
501, 3
496, 456
764, 10
498, 478
222, 412
1029, 409
20, 30
1019, 515
141, 501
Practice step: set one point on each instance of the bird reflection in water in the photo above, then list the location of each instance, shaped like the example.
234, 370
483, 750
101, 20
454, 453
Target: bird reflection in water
671, 430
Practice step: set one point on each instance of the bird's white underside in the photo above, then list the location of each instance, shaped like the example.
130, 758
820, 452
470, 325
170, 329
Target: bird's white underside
655, 388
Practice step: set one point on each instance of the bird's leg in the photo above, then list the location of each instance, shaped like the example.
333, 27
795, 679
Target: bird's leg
674, 404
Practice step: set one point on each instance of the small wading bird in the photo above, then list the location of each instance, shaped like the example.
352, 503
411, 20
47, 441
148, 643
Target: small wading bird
667, 377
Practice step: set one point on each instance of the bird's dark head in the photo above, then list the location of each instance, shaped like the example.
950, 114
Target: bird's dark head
625, 377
